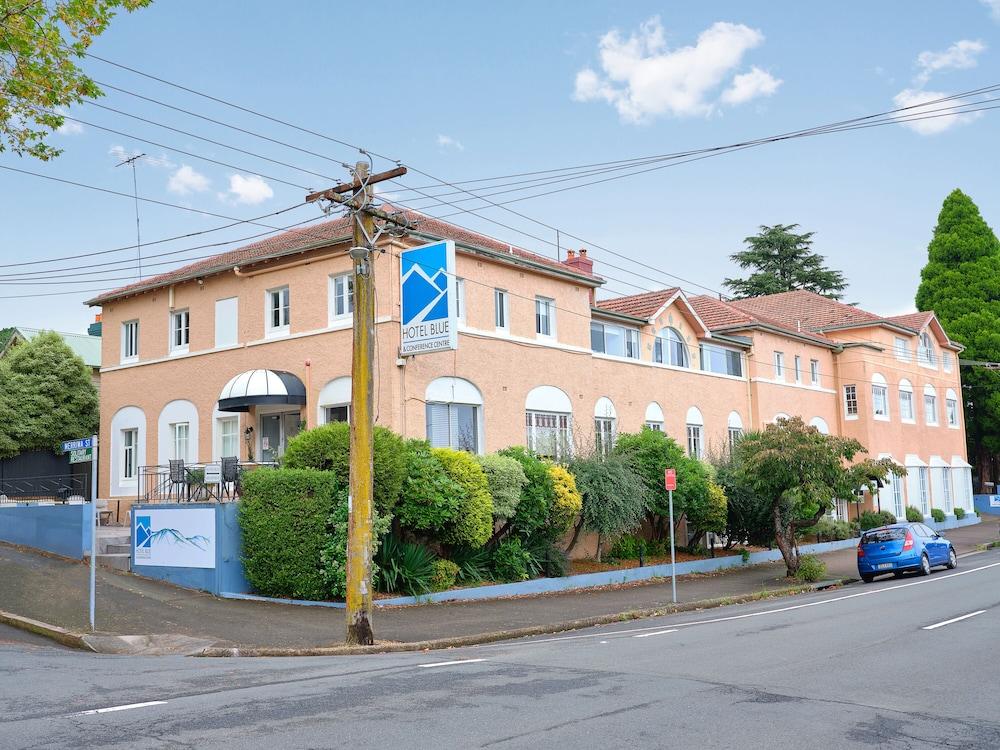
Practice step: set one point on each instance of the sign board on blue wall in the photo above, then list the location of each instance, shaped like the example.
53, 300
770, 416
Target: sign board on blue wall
429, 306
174, 537
995, 501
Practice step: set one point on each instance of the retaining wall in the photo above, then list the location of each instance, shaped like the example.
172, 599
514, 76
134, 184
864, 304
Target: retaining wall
61, 529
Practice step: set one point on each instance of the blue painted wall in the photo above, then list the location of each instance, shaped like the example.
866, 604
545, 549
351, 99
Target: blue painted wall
988, 504
227, 575
61, 529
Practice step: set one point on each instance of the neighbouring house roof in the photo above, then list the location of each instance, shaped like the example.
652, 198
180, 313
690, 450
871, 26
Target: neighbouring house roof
88, 348
338, 230
916, 320
721, 315
643, 305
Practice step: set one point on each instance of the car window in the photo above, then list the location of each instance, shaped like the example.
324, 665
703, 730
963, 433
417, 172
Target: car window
926, 531
881, 536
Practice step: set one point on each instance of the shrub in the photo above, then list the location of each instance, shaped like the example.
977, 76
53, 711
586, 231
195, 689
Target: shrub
473, 564
511, 561
473, 524
405, 568
537, 495
937, 514
811, 569
627, 547
745, 555
566, 501
334, 553
708, 513
748, 514
284, 515
443, 576
430, 499
913, 515
830, 530
546, 557
871, 520
506, 479
959, 513
614, 496
328, 447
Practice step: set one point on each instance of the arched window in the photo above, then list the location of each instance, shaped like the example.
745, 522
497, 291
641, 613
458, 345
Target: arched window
548, 413
925, 351
880, 397
670, 348
605, 425
951, 408
654, 417
177, 433
128, 450
820, 424
735, 424
906, 408
454, 414
930, 405
334, 403
780, 415
695, 433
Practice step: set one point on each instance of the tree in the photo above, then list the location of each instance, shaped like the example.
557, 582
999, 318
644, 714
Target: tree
783, 262
614, 497
961, 284
46, 396
39, 45
800, 473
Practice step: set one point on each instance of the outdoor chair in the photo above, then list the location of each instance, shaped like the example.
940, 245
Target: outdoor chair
177, 480
230, 476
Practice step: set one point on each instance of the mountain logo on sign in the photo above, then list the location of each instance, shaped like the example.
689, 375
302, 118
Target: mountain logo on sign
425, 285
174, 537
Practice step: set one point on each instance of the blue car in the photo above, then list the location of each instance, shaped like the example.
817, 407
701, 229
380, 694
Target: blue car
903, 547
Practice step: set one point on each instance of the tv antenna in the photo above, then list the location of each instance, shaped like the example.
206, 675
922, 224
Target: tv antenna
135, 195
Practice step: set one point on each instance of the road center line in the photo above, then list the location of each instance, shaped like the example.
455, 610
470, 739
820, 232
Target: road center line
954, 619
112, 709
449, 663
657, 632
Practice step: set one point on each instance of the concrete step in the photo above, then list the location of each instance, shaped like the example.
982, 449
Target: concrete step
119, 560
118, 549
105, 543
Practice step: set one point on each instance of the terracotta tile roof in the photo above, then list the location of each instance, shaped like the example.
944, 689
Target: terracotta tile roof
639, 305
718, 314
916, 320
807, 310
295, 240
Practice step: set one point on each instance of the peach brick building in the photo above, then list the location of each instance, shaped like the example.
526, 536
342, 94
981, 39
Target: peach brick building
540, 361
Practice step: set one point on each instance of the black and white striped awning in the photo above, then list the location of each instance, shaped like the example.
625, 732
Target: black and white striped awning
256, 387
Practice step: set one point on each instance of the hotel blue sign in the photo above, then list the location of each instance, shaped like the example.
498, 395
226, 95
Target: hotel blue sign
430, 309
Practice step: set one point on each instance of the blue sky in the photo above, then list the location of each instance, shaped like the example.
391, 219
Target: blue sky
466, 91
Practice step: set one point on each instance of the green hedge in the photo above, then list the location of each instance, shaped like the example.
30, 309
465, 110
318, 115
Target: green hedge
284, 514
473, 525
913, 515
872, 520
506, 479
937, 514
537, 495
431, 499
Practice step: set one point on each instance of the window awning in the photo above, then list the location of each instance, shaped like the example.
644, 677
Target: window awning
257, 387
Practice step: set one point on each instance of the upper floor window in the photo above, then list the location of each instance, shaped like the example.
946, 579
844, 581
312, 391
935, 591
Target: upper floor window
779, 366
721, 360
951, 409
501, 310
880, 397
227, 321
616, 340
814, 371
671, 349
545, 317
279, 312
901, 347
130, 341
341, 296
906, 401
851, 401
460, 299
930, 405
946, 361
798, 368
925, 350
180, 331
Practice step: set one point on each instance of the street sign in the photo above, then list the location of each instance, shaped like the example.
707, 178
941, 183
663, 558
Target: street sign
670, 479
77, 445
81, 455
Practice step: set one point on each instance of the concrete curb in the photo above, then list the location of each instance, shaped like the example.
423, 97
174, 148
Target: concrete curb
57, 634
503, 635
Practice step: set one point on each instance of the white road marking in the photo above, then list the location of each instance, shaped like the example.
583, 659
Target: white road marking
112, 709
954, 619
449, 663
869, 592
657, 632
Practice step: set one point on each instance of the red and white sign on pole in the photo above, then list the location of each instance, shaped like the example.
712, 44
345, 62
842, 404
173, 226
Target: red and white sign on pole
670, 479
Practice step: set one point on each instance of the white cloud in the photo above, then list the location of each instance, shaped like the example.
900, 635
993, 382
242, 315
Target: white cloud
186, 180
250, 190
643, 78
959, 56
994, 6
446, 141
747, 86
937, 118
69, 127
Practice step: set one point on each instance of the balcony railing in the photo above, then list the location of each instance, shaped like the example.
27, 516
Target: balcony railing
186, 483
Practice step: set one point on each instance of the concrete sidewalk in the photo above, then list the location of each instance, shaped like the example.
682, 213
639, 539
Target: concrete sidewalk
54, 591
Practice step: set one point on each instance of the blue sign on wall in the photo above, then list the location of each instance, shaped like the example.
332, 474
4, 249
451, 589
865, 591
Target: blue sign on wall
429, 305
77, 445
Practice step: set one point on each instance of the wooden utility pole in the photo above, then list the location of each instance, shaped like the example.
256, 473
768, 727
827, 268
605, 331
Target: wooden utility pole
360, 500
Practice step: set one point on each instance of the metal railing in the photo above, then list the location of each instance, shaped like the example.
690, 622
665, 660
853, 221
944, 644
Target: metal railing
157, 484
58, 487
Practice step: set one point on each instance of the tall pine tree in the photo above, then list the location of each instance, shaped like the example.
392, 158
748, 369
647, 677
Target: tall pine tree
961, 283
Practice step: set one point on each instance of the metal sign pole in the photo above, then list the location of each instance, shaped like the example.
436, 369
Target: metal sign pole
93, 530
673, 558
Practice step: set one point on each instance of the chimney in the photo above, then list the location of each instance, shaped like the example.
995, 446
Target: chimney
581, 263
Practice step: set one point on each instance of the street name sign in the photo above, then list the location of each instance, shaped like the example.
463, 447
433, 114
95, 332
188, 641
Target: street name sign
81, 455
77, 445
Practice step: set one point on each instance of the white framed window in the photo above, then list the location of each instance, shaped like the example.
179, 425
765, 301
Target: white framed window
851, 401
930, 405
814, 371
604, 434
694, 441
341, 296
925, 351
798, 368
671, 349
607, 339
453, 426
632, 343
180, 438
720, 360
735, 433
880, 397
946, 494
130, 455
545, 317
924, 485
227, 321
897, 496
338, 413
946, 361
180, 331
460, 299
229, 437
901, 348
130, 341
501, 310
278, 311
549, 434
906, 413
779, 366
656, 426
951, 409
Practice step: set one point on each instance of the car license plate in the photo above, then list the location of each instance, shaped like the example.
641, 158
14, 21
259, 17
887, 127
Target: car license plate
885, 566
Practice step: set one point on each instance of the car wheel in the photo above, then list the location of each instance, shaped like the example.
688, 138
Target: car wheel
925, 565
952, 559
867, 578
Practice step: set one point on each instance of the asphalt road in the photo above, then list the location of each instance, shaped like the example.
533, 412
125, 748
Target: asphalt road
861, 667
